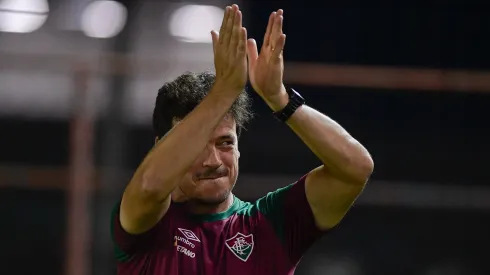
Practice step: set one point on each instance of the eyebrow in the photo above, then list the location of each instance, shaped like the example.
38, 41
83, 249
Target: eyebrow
227, 136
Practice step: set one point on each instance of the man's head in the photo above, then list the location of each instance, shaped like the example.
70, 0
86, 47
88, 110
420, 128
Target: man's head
213, 175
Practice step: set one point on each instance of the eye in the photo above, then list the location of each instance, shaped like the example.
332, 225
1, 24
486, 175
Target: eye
226, 143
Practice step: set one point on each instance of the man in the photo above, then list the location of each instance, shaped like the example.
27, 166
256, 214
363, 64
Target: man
178, 214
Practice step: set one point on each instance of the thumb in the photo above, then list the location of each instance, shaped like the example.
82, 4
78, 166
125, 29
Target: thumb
252, 52
215, 38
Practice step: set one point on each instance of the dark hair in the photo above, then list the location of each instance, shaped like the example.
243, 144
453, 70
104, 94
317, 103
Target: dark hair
178, 98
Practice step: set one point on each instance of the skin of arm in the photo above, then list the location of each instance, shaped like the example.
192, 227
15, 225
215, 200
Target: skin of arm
333, 187
147, 197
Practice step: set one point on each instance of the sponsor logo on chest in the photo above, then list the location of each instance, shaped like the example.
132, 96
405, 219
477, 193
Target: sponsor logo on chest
188, 239
241, 245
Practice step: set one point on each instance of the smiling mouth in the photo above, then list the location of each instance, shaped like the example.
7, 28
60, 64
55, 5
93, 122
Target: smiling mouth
211, 178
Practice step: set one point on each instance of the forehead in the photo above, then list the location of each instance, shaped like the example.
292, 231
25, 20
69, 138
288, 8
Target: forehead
227, 126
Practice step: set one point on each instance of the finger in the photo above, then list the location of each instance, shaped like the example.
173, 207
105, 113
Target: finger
278, 48
237, 31
242, 43
215, 38
252, 52
229, 25
267, 35
223, 24
276, 30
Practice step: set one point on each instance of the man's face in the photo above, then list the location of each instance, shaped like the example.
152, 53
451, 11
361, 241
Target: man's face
214, 173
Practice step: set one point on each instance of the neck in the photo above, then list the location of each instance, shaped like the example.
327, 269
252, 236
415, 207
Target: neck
199, 208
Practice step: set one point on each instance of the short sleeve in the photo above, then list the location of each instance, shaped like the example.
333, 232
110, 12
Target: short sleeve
127, 245
292, 218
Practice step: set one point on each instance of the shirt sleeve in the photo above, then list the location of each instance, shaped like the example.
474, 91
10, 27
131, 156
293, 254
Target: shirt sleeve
127, 245
289, 212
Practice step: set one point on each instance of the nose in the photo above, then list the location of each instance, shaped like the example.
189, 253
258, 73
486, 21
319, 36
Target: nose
212, 158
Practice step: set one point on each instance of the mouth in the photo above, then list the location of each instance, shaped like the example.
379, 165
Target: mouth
211, 178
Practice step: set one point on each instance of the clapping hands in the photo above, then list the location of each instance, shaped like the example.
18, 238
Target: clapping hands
265, 69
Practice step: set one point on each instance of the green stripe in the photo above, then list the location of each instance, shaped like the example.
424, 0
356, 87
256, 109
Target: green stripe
118, 252
235, 206
272, 207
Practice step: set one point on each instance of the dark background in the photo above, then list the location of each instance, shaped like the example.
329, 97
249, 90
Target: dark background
437, 138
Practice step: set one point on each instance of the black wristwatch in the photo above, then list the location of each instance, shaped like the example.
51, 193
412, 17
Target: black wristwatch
295, 101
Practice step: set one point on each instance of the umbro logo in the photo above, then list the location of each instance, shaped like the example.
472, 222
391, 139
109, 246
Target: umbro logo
189, 235
186, 239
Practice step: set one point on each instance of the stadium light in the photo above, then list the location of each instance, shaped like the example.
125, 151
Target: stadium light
103, 19
22, 16
193, 23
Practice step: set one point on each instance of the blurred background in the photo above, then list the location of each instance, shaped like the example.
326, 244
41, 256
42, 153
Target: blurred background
408, 79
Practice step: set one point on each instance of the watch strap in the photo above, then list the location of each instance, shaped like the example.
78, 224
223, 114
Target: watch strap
295, 101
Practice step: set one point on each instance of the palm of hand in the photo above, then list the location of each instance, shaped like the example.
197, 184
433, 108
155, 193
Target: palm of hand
265, 76
266, 69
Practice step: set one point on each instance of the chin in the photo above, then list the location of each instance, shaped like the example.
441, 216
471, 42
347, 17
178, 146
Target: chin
213, 200
213, 191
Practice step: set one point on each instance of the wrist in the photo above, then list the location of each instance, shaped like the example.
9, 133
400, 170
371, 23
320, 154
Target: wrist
278, 101
221, 86
295, 101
